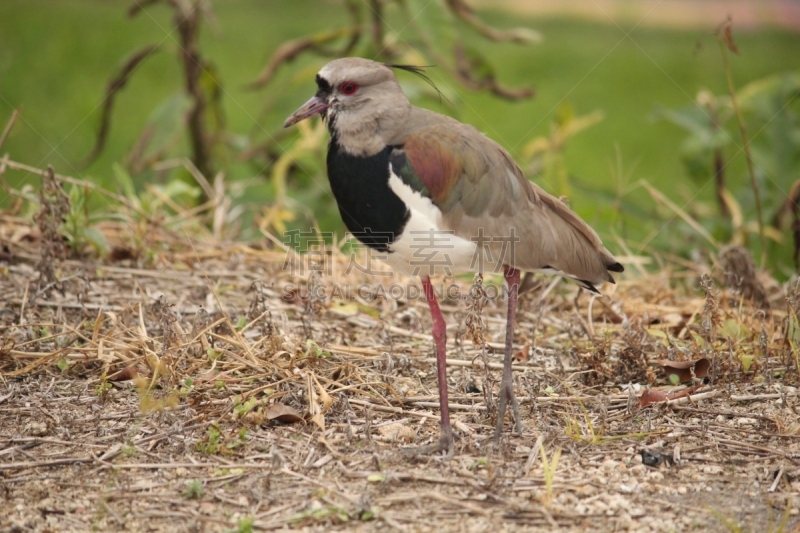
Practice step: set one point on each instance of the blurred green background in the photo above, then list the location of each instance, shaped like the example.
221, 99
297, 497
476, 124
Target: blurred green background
56, 57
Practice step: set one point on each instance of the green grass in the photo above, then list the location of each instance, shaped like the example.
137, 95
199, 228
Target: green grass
56, 57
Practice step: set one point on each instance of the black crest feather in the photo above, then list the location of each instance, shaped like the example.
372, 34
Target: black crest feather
419, 71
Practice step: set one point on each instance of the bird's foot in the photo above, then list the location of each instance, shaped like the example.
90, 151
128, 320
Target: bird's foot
444, 444
507, 397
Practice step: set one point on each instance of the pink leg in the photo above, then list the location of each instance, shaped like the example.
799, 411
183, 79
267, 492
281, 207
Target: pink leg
440, 340
507, 384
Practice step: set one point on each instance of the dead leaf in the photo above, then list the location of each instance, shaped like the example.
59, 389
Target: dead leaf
726, 36
129, 372
650, 396
283, 413
327, 401
683, 369
316, 415
523, 354
319, 420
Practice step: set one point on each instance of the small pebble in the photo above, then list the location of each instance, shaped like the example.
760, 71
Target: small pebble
638, 470
624, 522
610, 465
637, 512
37, 429
397, 432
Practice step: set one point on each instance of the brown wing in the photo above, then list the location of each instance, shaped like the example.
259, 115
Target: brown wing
483, 195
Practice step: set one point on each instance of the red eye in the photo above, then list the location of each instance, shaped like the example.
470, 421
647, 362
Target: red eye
348, 88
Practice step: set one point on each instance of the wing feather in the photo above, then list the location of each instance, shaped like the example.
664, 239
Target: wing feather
483, 194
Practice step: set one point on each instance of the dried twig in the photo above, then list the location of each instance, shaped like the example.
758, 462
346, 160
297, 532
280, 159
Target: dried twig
9, 125
115, 85
290, 50
517, 35
54, 206
725, 39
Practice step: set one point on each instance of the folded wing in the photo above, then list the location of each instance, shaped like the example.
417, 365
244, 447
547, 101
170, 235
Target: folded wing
484, 196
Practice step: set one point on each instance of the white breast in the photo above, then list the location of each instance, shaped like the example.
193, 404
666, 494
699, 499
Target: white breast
426, 248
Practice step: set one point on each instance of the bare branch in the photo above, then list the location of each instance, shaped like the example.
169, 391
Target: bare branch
465, 73
376, 27
517, 35
791, 207
140, 5
114, 86
187, 21
290, 50
8, 127
464, 69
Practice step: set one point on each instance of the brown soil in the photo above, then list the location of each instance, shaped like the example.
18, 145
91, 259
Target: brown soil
297, 410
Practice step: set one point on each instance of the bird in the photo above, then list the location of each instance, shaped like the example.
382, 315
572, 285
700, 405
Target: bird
432, 195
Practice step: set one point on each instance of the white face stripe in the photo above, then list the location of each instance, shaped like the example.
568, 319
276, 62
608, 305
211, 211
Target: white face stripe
325, 72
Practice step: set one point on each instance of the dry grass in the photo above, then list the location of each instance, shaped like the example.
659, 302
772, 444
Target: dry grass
183, 386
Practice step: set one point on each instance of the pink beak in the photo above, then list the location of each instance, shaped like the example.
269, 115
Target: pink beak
314, 106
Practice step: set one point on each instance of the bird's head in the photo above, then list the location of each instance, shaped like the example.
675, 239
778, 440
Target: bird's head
360, 100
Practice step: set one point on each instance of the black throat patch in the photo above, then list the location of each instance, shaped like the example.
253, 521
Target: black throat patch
370, 209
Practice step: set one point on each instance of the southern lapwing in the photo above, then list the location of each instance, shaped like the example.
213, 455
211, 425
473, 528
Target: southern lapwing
434, 195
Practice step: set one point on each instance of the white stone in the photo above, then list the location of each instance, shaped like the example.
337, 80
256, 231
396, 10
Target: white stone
610, 465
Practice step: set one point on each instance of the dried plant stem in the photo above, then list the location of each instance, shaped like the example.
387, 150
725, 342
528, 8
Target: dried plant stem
188, 24
725, 43
9, 125
376, 6
796, 224
54, 205
659, 197
115, 85
719, 179
518, 35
